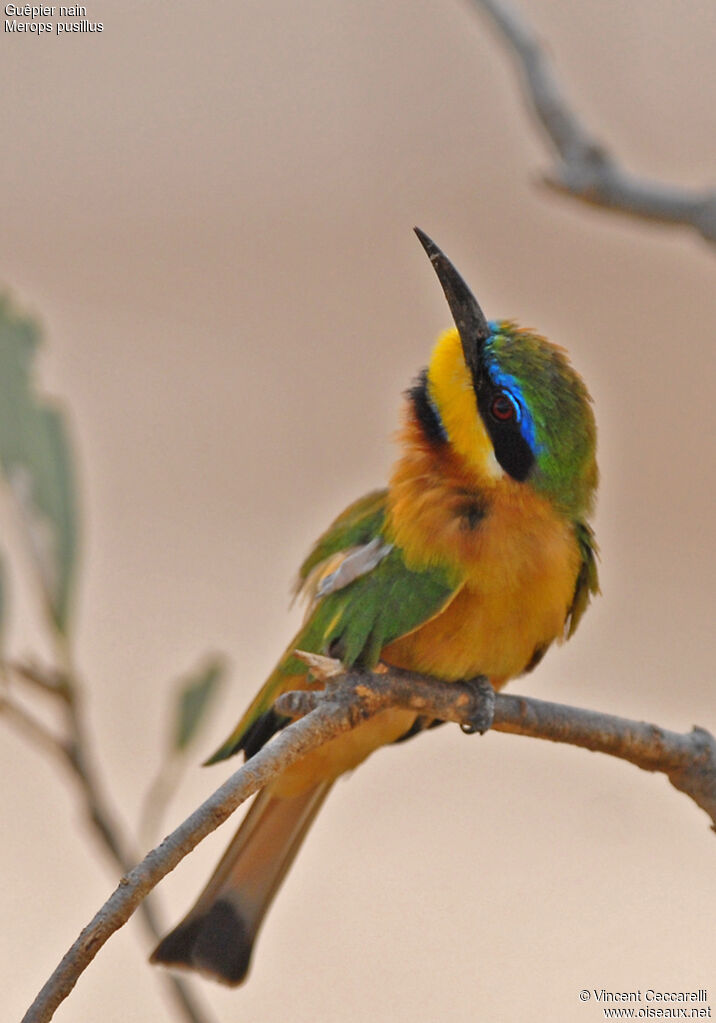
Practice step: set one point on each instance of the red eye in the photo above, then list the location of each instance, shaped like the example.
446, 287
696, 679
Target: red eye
502, 408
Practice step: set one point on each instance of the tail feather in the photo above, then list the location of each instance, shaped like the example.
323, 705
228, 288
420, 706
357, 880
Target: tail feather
217, 935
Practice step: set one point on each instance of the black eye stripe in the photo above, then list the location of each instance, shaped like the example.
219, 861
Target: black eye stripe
513, 453
511, 449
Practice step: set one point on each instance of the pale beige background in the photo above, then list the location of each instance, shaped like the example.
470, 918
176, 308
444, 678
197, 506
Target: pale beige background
210, 206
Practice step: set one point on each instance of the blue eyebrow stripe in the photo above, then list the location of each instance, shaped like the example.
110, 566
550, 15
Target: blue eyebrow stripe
506, 382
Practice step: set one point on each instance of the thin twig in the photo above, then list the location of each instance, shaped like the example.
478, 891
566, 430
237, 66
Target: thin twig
73, 754
348, 699
48, 681
586, 169
33, 729
106, 828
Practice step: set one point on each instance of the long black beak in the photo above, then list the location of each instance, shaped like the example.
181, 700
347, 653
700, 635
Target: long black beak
469, 318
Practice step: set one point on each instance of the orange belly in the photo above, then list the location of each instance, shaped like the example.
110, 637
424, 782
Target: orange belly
481, 635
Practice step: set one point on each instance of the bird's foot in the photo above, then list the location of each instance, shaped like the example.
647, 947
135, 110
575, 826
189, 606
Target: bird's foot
481, 713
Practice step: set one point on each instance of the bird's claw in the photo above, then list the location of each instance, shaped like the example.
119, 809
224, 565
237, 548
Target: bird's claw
482, 711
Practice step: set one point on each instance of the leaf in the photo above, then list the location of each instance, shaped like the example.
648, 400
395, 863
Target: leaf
194, 698
36, 459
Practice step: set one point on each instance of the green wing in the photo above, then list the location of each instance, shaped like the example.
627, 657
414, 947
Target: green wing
355, 623
357, 525
351, 621
587, 580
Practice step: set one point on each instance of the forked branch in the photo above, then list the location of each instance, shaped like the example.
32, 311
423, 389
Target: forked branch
585, 169
349, 697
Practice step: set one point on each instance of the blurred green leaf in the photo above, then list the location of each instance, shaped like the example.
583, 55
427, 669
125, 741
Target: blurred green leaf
194, 698
36, 459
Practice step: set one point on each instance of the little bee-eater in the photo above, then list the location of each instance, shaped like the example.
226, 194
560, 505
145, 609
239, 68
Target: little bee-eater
472, 562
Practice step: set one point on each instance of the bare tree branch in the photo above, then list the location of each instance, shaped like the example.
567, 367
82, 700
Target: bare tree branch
586, 169
73, 752
688, 760
349, 698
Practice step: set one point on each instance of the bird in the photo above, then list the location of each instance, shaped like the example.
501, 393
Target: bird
470, 564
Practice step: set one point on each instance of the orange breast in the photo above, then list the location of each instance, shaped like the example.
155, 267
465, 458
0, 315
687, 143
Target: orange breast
514, 604
521, 565
519, 562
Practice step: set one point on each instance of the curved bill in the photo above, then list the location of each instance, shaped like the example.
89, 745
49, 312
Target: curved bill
469, 319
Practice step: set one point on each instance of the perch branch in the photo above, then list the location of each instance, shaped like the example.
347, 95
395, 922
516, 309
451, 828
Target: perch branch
585, 168
348, 698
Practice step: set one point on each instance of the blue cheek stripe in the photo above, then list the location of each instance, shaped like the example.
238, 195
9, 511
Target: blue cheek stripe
506, 382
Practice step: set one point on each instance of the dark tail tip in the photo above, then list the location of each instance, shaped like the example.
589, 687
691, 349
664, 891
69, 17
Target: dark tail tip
217, 944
